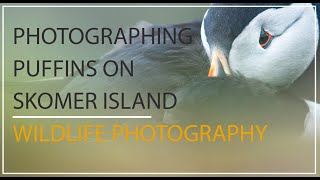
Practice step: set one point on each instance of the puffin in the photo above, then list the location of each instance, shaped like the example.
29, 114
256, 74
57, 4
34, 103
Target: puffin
269, 72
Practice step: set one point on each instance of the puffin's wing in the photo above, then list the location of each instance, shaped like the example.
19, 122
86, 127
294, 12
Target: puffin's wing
156, 67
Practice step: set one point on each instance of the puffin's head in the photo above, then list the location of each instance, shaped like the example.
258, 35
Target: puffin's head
272, 44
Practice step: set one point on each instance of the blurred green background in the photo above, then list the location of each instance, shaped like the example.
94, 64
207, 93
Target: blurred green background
106, 157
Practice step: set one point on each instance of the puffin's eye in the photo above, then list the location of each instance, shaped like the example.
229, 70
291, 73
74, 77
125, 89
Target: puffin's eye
265, 39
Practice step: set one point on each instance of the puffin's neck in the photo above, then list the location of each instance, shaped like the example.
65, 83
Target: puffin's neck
304, 86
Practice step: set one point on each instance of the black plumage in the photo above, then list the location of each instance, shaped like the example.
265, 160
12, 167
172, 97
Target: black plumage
157, 67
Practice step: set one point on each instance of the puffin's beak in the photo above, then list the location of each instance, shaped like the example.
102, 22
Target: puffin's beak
216, 57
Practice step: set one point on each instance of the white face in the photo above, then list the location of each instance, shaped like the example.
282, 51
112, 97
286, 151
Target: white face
204, 37
295, 36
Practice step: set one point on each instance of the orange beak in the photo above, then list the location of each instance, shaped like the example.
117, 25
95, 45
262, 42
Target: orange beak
216, 57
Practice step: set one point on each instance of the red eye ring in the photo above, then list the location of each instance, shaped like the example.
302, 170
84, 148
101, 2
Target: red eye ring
268, 40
